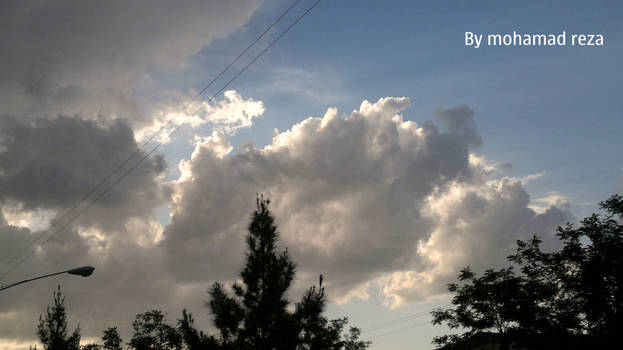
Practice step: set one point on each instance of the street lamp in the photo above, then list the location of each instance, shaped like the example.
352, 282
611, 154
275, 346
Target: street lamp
83, 271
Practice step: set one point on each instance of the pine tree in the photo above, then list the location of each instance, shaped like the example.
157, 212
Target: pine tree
52, 329
258, 315
194, 340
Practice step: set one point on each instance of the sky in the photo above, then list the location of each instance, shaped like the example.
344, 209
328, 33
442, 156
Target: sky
393, 154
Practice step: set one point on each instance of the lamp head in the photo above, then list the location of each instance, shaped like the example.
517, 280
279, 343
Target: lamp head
83, 271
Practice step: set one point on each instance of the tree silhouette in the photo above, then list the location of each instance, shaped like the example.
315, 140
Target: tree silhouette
483, 303
152, 332
591, 265
567, 298
194, 340
52, 329
112, 340
258, 314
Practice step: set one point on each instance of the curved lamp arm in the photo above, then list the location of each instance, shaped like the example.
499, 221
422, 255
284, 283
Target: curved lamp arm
83, 271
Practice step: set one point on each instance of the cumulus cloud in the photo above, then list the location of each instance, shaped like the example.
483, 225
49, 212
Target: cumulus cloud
475, 224
374, 201
366, 197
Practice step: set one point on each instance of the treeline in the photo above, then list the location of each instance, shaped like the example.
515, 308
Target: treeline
254, 314
566, 299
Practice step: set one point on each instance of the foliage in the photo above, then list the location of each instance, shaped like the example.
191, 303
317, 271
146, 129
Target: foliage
112, 339
483, 303
151, 332
573, 295
194, 340
52, 329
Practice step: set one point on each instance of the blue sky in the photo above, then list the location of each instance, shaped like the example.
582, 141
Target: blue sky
540, 109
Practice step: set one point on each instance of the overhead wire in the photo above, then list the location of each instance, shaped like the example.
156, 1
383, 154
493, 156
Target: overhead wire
397, 330
395, 321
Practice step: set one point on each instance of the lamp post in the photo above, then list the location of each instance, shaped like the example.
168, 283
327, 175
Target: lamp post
83, 271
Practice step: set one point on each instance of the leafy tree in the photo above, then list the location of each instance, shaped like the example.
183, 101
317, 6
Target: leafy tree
573, 296
52, 329
483, 303
549, 305
258, 314
151, 332
586, 275
112, 340
591, 262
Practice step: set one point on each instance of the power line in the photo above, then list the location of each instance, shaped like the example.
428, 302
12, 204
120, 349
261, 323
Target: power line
397, 330
260, 54
399, 320
395, 322
241, 54
120, 166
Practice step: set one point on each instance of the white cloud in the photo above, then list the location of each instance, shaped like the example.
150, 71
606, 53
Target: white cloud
475, 224
553, 198
233, 113
33, 220
227, 115
530, 177
368, 199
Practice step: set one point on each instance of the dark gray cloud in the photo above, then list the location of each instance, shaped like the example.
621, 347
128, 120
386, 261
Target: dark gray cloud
53, 163
460, 121
87, 57
47, 165
127, 280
